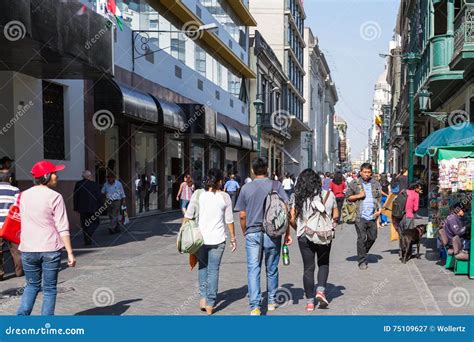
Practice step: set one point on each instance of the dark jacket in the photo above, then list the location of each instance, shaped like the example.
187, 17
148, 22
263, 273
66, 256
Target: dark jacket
356, 186
87, 196
453, 226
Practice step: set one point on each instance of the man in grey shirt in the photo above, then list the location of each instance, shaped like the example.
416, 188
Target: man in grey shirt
251, 206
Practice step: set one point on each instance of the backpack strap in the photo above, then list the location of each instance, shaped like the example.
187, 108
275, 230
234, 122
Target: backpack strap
326, 197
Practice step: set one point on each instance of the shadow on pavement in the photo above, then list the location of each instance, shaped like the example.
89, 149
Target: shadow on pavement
117, 309
226, 298
371, 258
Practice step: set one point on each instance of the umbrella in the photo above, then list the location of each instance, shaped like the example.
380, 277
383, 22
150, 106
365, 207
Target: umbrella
458, 135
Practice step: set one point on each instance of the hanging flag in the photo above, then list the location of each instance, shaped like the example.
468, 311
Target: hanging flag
111, 7
378, 120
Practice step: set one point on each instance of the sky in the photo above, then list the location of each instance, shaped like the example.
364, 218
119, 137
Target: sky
351, 34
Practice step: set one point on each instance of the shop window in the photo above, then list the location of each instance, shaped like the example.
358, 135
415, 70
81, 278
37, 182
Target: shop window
440, 15
53, 121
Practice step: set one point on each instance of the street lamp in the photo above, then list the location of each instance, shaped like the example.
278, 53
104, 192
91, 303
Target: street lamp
399, 128
259, 109
424, 99
411, 59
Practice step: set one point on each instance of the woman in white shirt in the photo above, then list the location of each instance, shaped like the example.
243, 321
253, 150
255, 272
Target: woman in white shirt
288, 185
213, 209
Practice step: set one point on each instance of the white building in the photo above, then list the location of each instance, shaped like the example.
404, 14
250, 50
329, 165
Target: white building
281, 22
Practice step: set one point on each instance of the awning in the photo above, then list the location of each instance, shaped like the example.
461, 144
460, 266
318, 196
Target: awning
51, 39
201, 120
234, 137
293, 160
458, 135
170, 114
447, 153
221, 133
121, 99
254, 143
246, 140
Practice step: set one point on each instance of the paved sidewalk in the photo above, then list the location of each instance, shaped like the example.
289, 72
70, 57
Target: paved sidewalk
141, 273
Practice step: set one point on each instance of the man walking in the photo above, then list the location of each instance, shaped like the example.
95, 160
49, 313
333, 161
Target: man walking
231, 187
366, 192
8, 196
87, 201
258, 244
113, 190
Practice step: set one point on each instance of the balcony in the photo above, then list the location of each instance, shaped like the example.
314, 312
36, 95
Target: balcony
463, 38
276, 125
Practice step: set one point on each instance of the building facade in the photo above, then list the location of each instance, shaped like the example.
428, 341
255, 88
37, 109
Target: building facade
443, 46
268, 87
160, 97
281, 22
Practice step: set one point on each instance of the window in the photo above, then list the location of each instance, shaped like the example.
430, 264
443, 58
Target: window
177, 71
178, 47
153, 24
53, 121
200, 60
440, 21
200, 84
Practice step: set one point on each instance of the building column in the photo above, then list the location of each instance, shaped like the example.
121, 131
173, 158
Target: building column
125, 164
161, 168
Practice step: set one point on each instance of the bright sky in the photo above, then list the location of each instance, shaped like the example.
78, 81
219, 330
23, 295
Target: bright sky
351, 34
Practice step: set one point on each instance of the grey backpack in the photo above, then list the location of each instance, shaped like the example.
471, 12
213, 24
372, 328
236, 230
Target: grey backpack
275, 215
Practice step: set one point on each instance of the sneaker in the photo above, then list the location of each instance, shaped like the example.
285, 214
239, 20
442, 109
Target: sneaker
272, 307
363, 266
321, 298
255, 312
310, 307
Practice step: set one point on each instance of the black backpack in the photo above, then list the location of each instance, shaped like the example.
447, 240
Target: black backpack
399, 204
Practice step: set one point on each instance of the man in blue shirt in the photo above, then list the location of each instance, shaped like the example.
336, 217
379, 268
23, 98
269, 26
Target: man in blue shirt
366, 192
115, 196
232, 187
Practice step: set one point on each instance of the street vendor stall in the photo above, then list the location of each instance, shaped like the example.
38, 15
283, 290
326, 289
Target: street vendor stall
451, 175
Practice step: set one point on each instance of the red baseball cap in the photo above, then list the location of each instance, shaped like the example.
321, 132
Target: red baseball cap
44, 167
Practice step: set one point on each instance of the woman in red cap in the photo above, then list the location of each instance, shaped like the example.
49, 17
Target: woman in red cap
44, 233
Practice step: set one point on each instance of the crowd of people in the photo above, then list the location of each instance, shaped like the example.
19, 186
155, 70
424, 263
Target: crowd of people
45, 225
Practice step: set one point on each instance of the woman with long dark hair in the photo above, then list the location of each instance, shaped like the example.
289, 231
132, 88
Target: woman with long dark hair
213, 211
309, 195
338, 187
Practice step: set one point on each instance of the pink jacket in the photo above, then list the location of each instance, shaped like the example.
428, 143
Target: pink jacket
413, 201
43, 220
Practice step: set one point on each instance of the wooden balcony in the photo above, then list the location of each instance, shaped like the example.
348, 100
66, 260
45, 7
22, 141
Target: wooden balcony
463, 38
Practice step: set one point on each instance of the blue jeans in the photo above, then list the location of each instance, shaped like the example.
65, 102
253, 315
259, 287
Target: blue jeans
40, 266
209, 257
255, 252
383, 218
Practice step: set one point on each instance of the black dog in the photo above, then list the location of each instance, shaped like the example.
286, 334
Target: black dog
409, 238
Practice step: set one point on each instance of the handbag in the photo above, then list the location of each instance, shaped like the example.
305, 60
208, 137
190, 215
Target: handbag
393, 233
11, 228
189, 238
